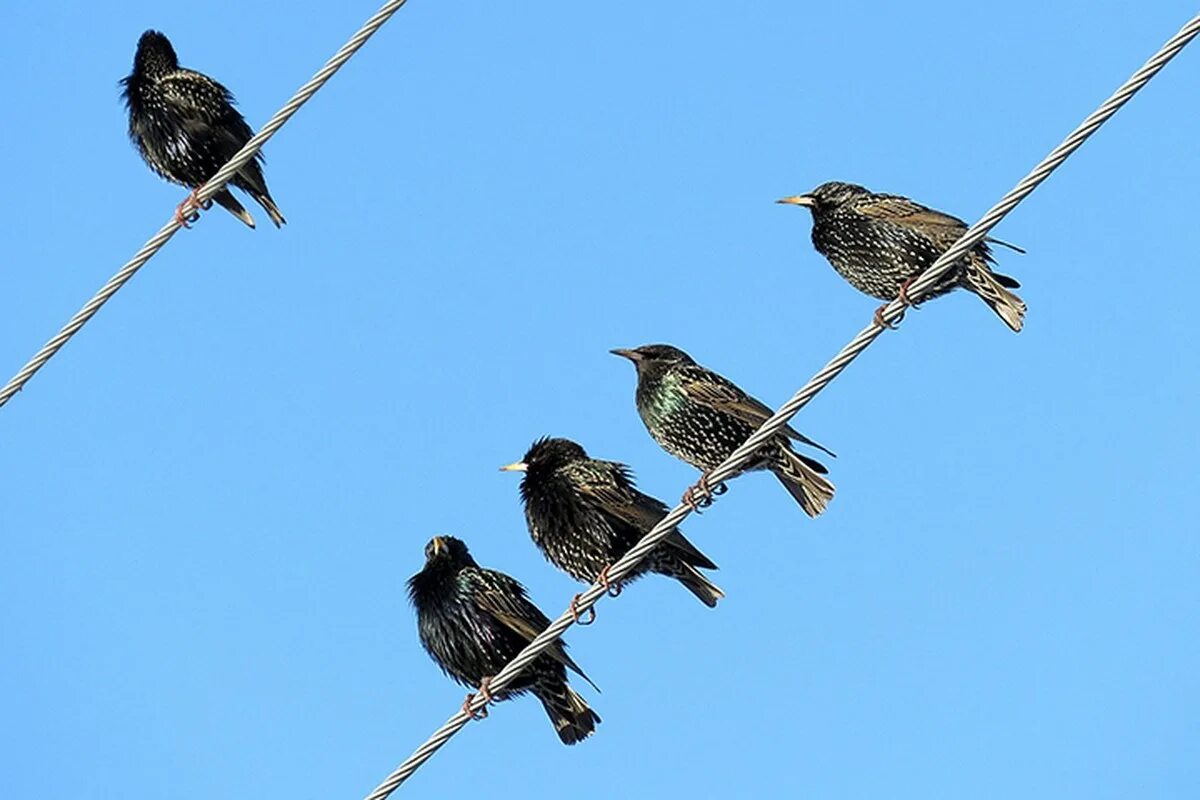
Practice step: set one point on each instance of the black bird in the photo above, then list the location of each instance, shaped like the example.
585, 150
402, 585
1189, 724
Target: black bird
472, 621
186, 128
700, 417
881, 243
584, 514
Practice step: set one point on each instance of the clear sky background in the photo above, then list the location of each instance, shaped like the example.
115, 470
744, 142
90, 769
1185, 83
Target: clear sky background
213, 496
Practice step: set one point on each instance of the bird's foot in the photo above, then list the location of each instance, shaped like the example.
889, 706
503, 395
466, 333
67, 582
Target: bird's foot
700, 495
879, 318
613, 588
486, 693
185, 220
574, 608
194, 206
904, 298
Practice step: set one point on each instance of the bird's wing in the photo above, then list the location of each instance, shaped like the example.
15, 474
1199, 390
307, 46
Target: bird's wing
608, 487
707, 387
894, 208
205, 108
197, 96
942, 229
902, 210
505, 600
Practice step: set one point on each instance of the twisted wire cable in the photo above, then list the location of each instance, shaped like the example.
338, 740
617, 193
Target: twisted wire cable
200, 198
733, 465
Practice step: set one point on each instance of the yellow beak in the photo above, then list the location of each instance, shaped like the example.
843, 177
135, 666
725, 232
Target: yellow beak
798, 200
516, 466
438, 545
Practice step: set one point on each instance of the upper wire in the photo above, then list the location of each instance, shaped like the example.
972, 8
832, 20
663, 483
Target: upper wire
199, 198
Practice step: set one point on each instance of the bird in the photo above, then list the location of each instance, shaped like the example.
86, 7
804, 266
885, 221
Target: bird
185, 127
881, 243
584, 514
472, 621
700, 417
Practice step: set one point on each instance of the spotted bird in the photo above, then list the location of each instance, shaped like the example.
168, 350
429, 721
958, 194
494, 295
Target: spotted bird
880, 243
186, 128
701, 418
472, 621
584, 514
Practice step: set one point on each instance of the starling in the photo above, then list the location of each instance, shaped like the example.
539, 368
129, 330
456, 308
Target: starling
186, 128
472, 621
880, 243
584, 514
701, 418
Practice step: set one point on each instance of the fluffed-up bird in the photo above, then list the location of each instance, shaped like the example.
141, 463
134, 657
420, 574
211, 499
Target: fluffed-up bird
584, 514
881, 243
701, 418
472, 621
186, 128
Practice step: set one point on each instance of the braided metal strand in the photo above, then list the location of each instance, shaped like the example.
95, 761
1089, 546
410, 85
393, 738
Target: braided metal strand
202, 195
732, 466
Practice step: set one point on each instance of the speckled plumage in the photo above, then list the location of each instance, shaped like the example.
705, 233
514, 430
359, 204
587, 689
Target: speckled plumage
700, 417
584, 514
877, 242
472, 621
186, 128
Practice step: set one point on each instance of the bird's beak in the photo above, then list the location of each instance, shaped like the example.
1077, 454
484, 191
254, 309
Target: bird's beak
798, 200
632, 355
438, 545
516, 466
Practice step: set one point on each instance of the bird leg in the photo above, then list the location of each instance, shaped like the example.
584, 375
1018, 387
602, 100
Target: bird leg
193, 201
904, 298
486, 693
574, 608
613, 589
700, 494
879, 318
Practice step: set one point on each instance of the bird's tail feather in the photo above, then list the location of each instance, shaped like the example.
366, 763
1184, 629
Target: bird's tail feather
1006, 281
696, 582
264, 200
988, 286
1009, 245
230, 203
570, 715
809, 488
687, 552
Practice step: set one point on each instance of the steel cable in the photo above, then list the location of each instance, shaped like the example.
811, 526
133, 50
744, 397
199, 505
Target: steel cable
739, 457
202, 196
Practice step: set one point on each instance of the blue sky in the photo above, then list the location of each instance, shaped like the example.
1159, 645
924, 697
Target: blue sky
213, 496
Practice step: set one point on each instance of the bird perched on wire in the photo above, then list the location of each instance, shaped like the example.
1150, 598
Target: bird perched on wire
881, 243
584, 514
186, 128
472, 621
701, 418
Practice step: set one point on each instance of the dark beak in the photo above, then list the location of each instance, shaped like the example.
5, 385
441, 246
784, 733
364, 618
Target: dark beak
632, 355
798, 200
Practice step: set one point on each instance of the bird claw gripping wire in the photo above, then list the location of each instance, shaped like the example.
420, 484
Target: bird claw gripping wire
484, 692
904, 298
574, 608
700, 495
891, 326
903, 293
192, 200
614, 588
